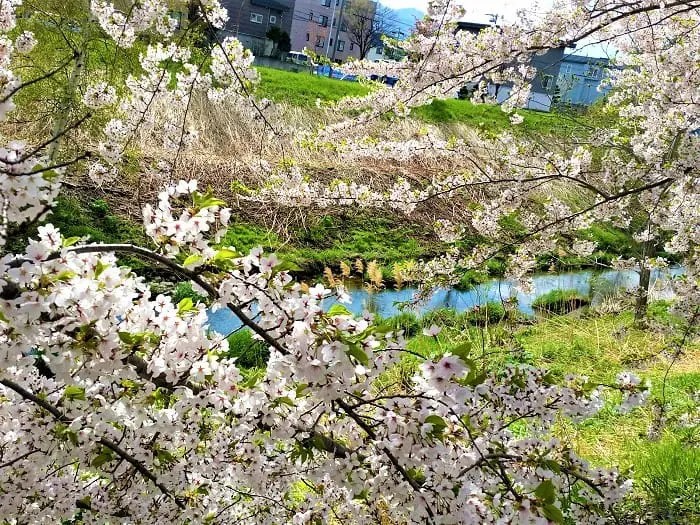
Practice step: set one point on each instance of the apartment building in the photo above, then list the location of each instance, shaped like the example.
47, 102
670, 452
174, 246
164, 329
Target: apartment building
250, 20
321, 26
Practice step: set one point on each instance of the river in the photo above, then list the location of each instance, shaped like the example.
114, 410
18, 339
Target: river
386, 303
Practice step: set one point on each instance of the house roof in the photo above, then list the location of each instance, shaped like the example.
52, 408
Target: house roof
578, 59
270, 4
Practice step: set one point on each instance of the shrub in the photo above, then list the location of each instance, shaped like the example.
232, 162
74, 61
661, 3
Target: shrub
560, 301
447, 317
489, 313
406, 321
249, 352
184, 290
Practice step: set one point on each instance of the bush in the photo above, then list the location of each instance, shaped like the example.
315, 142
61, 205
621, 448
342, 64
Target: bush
489, 313
470, 279
249, 352
560, 301
184, 290
444, 317
406, 321
670, 477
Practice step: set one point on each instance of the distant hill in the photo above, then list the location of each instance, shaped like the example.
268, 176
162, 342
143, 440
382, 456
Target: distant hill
405, 19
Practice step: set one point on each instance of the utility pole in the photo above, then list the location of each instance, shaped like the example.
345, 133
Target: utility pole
337, 31
330, 29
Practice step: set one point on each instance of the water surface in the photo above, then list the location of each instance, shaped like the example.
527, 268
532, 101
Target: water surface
387, 302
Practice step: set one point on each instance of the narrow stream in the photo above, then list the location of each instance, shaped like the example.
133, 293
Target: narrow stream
595, 285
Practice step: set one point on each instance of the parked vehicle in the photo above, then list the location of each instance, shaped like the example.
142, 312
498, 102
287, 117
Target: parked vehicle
297, 57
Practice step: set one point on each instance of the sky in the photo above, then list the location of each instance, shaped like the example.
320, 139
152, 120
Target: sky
480, 11
477, 11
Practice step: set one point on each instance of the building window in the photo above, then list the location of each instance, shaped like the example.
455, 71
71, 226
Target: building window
308, 37
326, 3
323, 20
273, 19
256, 18
311, 15
341, 45
593, 72
320, 41
352, 46
343, 27
547, 81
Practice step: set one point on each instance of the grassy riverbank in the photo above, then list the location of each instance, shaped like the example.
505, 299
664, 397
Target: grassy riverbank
323, 242
303, 89
659, 450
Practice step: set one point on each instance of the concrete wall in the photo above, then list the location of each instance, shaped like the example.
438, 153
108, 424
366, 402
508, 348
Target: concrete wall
279, 64
537, 101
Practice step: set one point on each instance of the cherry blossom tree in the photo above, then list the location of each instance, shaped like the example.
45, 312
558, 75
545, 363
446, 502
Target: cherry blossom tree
637, 171
118, 406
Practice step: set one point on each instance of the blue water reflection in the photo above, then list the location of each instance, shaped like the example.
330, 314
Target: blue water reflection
387, 302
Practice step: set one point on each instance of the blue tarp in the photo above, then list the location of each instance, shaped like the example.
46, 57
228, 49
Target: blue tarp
338, 74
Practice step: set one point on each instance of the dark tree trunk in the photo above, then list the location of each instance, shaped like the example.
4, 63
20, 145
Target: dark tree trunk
640, 311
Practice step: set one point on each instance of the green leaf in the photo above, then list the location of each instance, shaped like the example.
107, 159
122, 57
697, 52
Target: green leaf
48, 175
100, 267
286, 266
284, 400
356, 351
362, 496
127, 338
475, 378
552, 465
192, 259
546, 491
206, 200
105, 456
417, 475
70, 241
64, 276
300, 388
553, 513
184, 306
225, 254
74, 393
439, 425
164, 457
339, 310
462, 351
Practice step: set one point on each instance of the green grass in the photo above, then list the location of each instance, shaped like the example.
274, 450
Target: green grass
669, 474
331, 240
249, 353
92, 220
328, 240
302, 89
665, 462
490, 117
408, 322
560, 301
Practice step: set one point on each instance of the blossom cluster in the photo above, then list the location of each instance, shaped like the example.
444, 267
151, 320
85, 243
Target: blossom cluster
145, 406
118, 405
